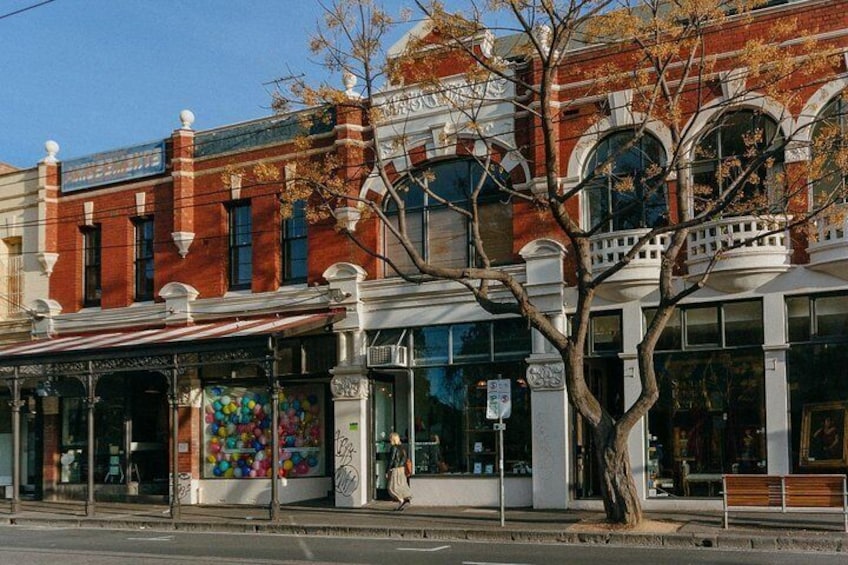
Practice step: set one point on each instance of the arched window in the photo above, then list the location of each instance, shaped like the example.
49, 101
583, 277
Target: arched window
630, 196
830, 139
720, 156
441, 235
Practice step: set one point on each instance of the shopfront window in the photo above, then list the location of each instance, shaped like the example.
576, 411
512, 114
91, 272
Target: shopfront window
237, 434
817, 364
452, 365
710, 416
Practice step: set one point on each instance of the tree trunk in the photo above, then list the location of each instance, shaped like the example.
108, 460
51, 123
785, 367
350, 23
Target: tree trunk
621, 500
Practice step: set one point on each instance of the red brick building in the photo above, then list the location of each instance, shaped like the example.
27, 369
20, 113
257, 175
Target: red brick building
179, 292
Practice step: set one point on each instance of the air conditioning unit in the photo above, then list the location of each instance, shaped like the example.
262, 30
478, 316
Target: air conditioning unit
387, 356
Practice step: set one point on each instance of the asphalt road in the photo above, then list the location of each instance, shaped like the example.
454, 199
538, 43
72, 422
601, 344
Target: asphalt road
55, 546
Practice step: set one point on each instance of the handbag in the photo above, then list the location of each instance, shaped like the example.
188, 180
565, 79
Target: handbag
407, 467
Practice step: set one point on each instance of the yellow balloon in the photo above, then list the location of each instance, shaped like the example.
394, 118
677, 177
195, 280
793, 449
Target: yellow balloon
210, 459
287, 465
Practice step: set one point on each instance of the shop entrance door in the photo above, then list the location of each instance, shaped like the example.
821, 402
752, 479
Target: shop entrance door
605, 379
383, 423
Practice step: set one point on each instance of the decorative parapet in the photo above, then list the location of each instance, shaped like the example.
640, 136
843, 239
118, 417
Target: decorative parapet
752, 250
829, 249
546, 376
640, 276
349, 387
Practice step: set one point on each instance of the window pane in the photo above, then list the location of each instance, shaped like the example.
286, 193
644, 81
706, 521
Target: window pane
395, 251
230, 454
671, 337
743, 323
708, 420
496, 231
452, 434
702, 326
448, 239
144, 259
626, 193
471, 342
798, 318
295, 244
606, 333
241, 246
511, 339
430, 345
831, 316
91, 272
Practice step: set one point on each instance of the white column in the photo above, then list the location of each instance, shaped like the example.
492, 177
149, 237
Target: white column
777, 388
550, 424
631, 336
350, 438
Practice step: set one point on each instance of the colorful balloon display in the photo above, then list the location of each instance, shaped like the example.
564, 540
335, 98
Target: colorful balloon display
238, 433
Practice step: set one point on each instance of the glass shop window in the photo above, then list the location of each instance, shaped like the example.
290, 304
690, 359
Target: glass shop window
237, 432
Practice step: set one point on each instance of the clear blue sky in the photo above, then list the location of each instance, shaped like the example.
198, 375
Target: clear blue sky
95, 75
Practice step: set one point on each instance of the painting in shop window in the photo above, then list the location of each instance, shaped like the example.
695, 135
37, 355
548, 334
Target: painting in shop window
823, 435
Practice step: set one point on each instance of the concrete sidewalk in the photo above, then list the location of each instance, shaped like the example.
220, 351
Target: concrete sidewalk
813, 532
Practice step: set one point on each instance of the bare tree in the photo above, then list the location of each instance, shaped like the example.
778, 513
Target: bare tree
690, 72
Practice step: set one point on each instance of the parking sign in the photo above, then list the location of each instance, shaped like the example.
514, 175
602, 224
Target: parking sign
498, 399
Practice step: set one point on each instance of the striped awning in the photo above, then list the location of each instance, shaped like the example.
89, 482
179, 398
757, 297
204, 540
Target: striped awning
231, 329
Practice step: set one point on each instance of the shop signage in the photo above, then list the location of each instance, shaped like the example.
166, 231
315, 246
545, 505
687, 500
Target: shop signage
113, 166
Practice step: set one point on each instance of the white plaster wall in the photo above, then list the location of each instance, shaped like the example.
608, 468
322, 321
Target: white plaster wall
350, 441
550, 449
258, 491
471, 491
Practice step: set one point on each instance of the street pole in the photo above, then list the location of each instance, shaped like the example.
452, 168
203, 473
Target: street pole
173, 395
91, 401
16, 404
501, 427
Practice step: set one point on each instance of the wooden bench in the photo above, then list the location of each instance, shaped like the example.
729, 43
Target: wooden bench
785, 493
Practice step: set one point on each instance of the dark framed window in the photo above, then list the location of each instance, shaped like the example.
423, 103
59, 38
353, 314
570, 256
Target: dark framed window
441, 235
144, 259
91, 273
241, 246
631, 195
726, 150
731, 324
294, 244
817, 318
830, 137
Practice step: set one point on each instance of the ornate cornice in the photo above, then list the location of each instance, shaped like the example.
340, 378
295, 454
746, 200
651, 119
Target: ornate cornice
546, 376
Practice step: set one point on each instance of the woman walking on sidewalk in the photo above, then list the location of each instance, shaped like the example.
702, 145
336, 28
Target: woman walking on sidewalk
398, 483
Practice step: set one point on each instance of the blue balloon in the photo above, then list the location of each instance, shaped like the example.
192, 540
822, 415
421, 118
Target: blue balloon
214, 429
217, 472
219, 415
312, 461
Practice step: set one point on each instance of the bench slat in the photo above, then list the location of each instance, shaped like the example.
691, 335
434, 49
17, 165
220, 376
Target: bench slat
799, 493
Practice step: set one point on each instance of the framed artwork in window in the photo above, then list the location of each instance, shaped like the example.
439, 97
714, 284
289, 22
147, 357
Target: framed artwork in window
823, 435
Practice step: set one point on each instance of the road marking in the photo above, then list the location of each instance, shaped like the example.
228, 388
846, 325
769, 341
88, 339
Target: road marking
302, 544
441, 547
489, 563
160, 538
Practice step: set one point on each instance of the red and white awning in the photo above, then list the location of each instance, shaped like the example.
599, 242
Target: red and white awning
288, 325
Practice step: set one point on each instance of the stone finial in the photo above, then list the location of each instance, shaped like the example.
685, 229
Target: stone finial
187, 119
349, 80
52, 148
